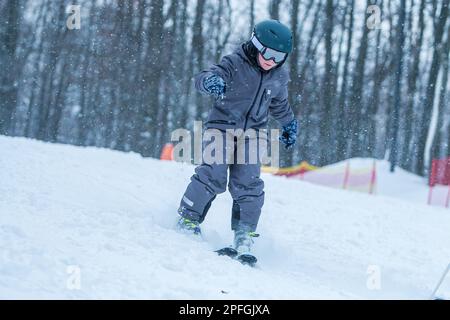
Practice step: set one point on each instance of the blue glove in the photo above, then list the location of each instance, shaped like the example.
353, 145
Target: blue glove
289, 134
215, 85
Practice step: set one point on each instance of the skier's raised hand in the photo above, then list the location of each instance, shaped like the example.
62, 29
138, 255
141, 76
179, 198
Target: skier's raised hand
289, 134
215, 85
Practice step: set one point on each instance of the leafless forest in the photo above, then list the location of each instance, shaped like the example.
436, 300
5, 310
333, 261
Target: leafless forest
368, 78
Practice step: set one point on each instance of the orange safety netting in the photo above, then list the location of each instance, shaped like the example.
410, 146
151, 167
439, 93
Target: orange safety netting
340, 176
290, 171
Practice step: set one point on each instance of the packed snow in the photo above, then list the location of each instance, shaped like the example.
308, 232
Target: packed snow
93, 223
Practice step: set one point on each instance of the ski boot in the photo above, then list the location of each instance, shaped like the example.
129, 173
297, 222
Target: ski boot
189, 226
243, 241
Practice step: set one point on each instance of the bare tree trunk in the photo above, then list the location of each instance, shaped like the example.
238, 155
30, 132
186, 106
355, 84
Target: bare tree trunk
374, 99
443, 107
396, 114
336, 113
312, 41
83, 123
197, 50
38, 76
46, 108
293, 65
155, 71
184, 73
252, 15
343, 124
356, 100
328, 86
431, 86
170, 81
274, 9
137, 99
408, 147
311, 48
9, 32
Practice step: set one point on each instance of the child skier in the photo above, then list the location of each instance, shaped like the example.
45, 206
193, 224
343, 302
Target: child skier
248, 84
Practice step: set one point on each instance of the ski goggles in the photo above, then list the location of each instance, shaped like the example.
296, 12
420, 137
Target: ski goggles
268, 53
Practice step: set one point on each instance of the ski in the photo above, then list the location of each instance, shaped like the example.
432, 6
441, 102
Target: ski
227, 251
245, 259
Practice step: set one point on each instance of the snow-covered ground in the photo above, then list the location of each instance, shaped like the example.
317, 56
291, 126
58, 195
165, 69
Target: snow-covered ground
93, 223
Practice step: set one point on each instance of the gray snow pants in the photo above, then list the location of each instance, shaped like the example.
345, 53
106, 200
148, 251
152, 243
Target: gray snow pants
245, 186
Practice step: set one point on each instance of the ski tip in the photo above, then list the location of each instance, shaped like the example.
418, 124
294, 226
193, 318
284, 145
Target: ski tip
227, 251
247, 259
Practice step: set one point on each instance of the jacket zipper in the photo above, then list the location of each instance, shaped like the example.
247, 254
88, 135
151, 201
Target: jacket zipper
254, 100
261, 101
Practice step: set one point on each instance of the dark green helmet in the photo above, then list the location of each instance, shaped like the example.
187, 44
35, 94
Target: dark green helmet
275, 35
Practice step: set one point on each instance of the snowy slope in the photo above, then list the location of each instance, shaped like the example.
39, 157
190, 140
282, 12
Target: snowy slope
112, 214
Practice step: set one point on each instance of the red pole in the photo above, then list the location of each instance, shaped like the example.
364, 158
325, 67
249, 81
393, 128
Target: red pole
431, 181
447, 202
347, 175
430, 194
447, 176
374, 177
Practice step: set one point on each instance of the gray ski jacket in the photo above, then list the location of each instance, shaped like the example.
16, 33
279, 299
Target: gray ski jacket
251, 94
